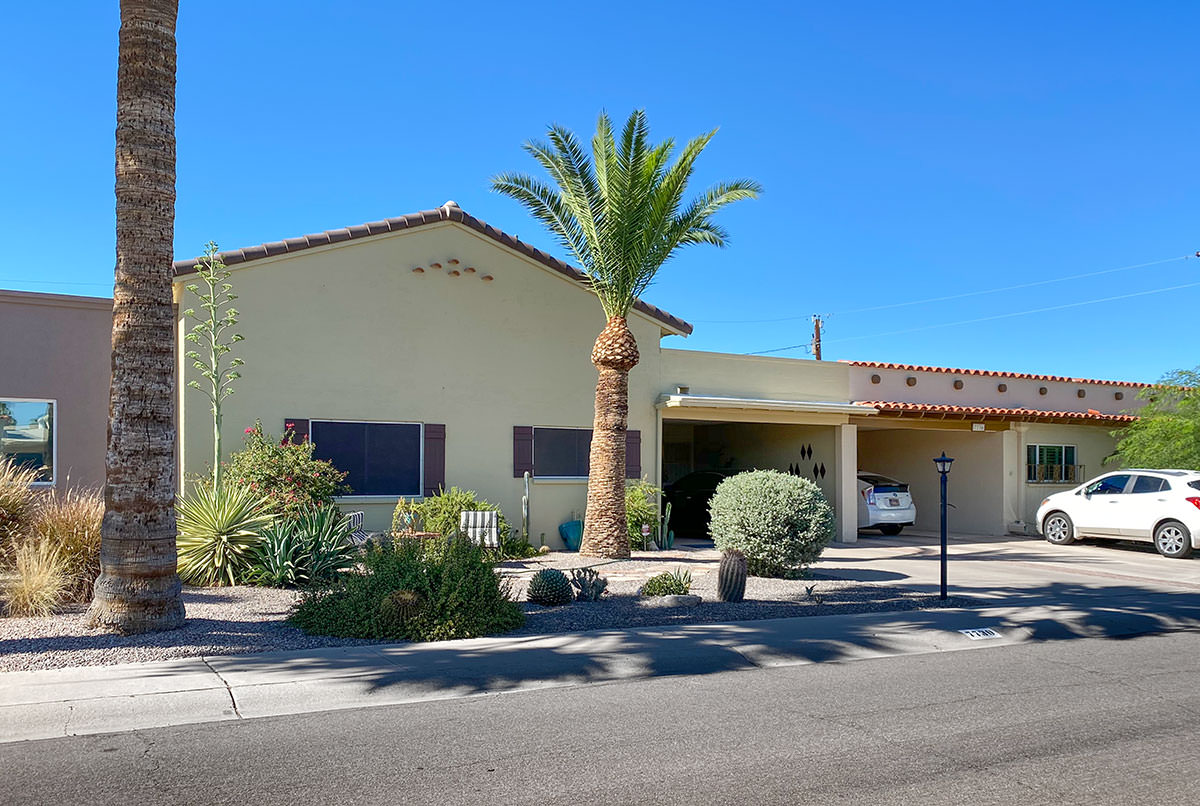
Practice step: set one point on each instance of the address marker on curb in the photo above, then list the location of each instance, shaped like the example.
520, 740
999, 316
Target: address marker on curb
980, 634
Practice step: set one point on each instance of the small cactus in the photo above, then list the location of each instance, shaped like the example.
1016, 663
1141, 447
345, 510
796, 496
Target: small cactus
397, 608
549, 587
731, 577
589, 585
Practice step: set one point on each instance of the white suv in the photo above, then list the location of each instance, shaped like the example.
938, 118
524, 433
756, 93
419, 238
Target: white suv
1159, 506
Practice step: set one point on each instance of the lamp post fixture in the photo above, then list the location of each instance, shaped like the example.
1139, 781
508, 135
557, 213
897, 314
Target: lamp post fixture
942, 463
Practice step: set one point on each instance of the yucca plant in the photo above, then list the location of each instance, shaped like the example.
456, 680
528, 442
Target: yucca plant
622, 215
219, 528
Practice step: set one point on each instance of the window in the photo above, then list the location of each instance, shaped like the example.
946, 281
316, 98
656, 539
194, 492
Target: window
379, 458
1149, 484
1051, 464
1109, 485
561, 452
27, 435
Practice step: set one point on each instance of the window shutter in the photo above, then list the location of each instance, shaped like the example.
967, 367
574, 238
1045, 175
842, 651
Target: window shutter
435, 458
298, 427
633, 454
522, 450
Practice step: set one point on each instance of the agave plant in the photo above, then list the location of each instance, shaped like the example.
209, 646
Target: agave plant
280, 558
219, 529
326, 533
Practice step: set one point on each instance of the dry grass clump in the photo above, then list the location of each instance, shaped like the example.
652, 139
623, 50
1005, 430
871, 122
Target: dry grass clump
49, 544
70, 524
39, 583
18, 499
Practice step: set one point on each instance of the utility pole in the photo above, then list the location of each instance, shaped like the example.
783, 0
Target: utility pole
816, 342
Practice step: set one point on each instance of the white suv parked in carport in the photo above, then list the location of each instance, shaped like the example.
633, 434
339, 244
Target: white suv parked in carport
1159, 506
884, 504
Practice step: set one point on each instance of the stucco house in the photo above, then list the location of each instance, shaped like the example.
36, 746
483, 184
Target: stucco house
432, 349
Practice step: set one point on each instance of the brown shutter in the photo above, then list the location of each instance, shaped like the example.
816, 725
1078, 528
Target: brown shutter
298, 427
435, 458
633, 454
522, 450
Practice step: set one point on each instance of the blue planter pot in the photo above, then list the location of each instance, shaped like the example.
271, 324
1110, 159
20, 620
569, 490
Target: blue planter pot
572, 534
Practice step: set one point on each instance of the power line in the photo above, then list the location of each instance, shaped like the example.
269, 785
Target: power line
949, 297
991, 318
52, 282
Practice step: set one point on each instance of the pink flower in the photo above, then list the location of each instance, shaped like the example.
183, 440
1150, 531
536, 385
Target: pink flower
249, 430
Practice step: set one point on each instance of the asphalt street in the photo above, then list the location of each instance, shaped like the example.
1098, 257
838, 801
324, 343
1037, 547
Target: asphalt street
1095, 721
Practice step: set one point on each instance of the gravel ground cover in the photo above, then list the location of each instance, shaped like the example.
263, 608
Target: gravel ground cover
221, 621
244, 620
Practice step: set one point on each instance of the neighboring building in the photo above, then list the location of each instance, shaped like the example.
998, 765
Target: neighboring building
54, 372
433, 349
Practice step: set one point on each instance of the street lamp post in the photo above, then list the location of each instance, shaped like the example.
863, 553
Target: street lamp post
942, 463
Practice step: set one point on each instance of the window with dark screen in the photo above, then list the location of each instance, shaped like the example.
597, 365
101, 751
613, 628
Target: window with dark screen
378, 458
561, 452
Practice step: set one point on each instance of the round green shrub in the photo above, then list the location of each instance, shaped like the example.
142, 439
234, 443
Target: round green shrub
550, 587
780, 522
677, 583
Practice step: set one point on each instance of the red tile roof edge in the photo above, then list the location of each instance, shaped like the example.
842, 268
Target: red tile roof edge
447, 212
898, 407
988, 373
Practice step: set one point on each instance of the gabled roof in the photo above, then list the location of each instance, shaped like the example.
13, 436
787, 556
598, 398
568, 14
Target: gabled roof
447, 212
940, 411
988, 373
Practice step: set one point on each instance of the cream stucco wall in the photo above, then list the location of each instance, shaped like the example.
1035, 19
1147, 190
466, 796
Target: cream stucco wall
351, 332
977, 390
54, 346
765, 378
976, 484
1093, 443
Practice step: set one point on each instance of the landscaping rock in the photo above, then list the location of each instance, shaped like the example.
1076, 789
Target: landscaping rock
674, 600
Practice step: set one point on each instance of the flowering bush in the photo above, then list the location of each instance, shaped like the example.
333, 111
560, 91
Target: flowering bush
284, 473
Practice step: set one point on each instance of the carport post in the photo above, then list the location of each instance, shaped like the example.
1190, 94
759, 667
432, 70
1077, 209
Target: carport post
942, 463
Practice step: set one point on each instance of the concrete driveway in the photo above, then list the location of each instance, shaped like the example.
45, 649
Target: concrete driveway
1013, 569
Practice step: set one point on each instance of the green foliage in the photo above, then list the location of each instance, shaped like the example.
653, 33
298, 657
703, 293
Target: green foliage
209, 335
668, 583
641, 508
779, 521
1167, 431
284, 473
312, 548
621, 210
589, 585
397, 608
549, 587
441, 513
462, 597
219, 531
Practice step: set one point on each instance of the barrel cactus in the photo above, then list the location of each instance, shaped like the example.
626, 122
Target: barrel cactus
731, 577
396, 609
550, 587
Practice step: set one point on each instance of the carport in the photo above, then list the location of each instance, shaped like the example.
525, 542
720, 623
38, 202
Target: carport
812, 439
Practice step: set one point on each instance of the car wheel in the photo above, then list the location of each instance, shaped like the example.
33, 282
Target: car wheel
1172, 539
1058, 529
890, 529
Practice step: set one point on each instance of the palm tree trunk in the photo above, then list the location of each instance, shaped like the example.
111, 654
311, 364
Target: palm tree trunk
138, 589
605, 533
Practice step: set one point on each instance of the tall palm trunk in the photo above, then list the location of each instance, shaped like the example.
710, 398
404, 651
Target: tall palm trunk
138, 589
605, 533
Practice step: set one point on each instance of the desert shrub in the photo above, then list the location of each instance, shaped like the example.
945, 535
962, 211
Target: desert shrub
219, 530
39, 582
668, 583
589, 585
779, 521
312, 548
285, 473
641, 508
549, 587
17, 500
460, 595
70, 524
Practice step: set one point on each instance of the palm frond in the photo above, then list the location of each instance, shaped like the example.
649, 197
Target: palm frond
621, 210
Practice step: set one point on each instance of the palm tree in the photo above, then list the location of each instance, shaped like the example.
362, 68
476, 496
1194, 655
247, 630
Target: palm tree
621, 212
138, 589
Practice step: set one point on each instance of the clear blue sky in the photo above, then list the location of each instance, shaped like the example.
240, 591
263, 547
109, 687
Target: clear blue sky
908, 150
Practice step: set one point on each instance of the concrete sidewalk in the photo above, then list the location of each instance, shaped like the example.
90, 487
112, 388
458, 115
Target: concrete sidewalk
102, 699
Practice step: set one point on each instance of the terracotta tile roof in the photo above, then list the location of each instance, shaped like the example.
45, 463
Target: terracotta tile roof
447, 212
988, 373
935, 410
